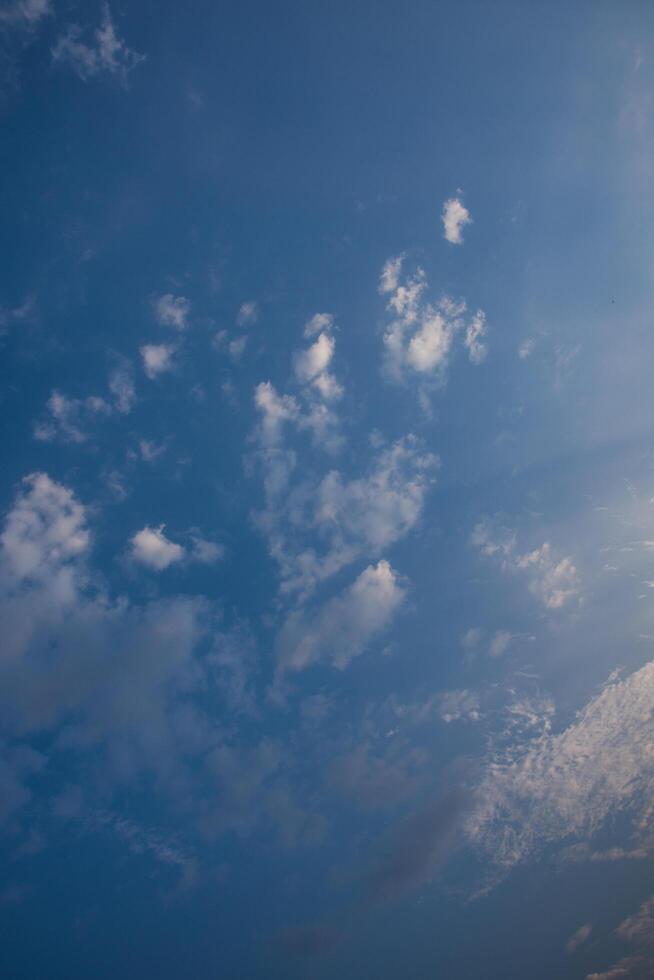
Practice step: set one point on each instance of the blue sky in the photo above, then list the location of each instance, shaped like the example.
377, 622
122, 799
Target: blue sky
327, 547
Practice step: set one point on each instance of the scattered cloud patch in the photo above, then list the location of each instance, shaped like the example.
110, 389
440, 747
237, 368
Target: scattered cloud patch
342, 628
152, 548
455, 217
552, 579
66, 418
101, 51
157, 359
420, 337
172, 311
248, 314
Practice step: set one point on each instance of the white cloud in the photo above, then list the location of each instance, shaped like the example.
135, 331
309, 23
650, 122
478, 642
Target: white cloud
420, 337
552, 579
557, 788
44, 534
313, 361
430, 344
67, 417
106, 53
275, 410
172, 311
151, 547
473, 340
248, 314
319, 323
311, 364
157, 358
114, 685
354, 518
389, 279
455, 217
342, 628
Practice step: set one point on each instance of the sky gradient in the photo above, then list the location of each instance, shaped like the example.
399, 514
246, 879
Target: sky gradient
327, 533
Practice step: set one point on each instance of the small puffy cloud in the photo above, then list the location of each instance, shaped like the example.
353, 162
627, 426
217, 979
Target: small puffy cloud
157, 358
275, 410
312, 363
344, 626
103, 53
578, 938
248, 314
44, 537
151, 547
172, 311
455, 217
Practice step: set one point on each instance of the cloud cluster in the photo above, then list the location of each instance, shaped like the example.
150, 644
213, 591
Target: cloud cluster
419, 339
125, 682
67, 419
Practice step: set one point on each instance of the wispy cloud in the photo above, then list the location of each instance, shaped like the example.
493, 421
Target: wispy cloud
105, 52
